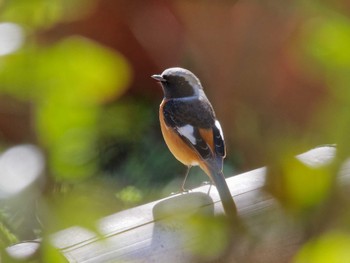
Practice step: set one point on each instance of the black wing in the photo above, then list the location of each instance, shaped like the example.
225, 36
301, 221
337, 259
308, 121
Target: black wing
219, 140
219, 144
199, 115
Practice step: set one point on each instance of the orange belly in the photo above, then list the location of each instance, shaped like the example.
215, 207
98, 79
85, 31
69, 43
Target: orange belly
176, 145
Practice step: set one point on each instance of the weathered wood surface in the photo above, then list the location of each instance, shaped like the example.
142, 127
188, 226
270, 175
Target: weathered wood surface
134, 235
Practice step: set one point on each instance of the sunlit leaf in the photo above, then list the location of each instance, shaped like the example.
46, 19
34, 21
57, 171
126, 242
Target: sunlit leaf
328, 39
42, 13
52, 254
77, 70
68, 81
216, 229
130, 195
331, 247
306, 186
326, 44
78, 76
6, 236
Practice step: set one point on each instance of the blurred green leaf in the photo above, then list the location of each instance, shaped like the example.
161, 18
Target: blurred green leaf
67, 81
330, 247
86, 75
130, 195
75, 70
80, 205
326, 44
6, 236
328, 39
42, 13
78, 70
51, 254
215, 228
58, 122
306, 186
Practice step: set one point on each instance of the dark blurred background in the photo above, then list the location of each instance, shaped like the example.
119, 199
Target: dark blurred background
79, 111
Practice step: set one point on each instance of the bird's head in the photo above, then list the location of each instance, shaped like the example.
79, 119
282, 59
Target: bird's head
179, 83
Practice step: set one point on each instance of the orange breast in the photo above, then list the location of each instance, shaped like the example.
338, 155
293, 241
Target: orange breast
176, 145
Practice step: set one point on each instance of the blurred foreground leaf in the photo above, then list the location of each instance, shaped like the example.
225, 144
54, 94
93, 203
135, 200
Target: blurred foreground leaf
216, 228
325, 46
52, 254
130, 195
42, 13
306, 186
330, 247
67, 81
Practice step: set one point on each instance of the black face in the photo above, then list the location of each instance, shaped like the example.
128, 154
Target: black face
176, 87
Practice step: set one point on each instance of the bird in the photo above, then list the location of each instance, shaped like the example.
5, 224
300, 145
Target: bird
191, 130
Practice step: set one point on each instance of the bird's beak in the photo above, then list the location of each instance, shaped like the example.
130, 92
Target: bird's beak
158, 78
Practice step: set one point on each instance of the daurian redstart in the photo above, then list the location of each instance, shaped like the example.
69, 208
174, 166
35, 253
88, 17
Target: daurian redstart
191, 130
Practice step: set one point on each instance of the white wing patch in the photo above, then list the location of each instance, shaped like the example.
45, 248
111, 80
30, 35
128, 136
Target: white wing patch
187, 131
217, 124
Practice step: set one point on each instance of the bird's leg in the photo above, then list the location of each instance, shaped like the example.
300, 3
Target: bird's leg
184, 181
210, 185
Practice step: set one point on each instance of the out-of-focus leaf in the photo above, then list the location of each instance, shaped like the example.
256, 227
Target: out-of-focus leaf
328, 39
130, 195
70, 135
67, 81
331, 247
306, 186
80, 204
43, 14
78, 70
216, 229
326, 44
6, 236
75, 70
51, 254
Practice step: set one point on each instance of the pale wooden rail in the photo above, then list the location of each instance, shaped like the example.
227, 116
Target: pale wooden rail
134, 235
